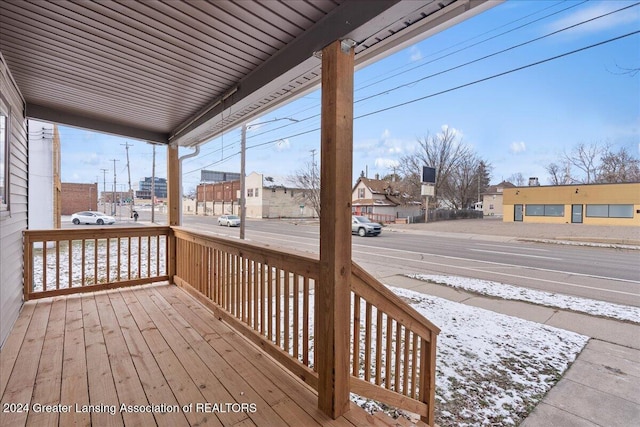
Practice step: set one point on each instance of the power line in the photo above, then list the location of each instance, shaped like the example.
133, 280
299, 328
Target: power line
499, 74
494, 54
387, 77
439, 92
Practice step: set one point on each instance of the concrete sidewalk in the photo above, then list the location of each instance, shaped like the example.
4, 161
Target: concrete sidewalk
601, 388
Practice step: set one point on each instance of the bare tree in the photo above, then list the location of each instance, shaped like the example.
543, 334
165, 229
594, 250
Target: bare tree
443, 151
594, 163
308, 180
461, 190
517, 179
586, 158
559, 174
618, 167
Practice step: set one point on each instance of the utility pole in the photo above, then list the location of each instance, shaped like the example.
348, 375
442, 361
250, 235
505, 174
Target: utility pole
104, 189
126, 147
113, 200
314, 190
153, 186
243, 184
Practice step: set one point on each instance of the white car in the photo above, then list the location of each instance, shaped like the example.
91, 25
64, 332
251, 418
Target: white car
229, 220
90, 217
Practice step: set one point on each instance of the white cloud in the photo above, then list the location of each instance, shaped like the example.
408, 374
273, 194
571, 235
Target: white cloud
609, 22
517, 147
415, 54
382, 163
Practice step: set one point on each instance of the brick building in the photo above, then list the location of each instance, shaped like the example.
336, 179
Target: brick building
218, 198
78, 197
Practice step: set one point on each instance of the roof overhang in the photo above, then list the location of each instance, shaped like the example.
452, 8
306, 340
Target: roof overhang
185, 72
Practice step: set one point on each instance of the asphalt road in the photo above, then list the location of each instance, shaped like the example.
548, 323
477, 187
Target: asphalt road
605, 274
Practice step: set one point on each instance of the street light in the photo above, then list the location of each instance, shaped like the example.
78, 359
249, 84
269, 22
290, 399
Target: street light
243, 150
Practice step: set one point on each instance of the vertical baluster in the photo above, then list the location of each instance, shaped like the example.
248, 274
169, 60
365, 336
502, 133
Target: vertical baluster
305, 320
378, 347
95, 261
148, 263
270, 304
108, 260
368, 325
256, 294
414, 366
356, 336
44, 265
83, 254
296, 315
286, 323
119, 257
405, 371
57, 264
158, 239
70, 260
243, 290
236, 284
139, 257
129, 258
398, 335
388, 353
249, 296
278, 296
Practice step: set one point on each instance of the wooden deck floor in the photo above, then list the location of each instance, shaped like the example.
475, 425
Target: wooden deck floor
85, 356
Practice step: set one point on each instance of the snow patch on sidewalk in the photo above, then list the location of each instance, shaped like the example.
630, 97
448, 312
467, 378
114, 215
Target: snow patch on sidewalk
549, 299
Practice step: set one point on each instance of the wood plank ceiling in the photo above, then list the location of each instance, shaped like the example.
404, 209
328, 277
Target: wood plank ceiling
185, 71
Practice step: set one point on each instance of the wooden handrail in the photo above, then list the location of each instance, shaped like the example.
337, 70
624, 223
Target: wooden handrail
365, 285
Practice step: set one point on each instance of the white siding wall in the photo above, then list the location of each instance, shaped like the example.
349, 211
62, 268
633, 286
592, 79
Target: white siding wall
40, 175
13, 222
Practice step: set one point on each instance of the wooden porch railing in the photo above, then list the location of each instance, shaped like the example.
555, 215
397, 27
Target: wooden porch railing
265, 294
393, 348
60, 262
268, 296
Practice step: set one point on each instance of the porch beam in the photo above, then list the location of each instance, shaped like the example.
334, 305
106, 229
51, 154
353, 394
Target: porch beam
333, 291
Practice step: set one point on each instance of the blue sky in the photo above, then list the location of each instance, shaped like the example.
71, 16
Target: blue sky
519, 122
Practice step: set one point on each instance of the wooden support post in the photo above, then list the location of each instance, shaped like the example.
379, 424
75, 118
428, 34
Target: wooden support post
332, 295
173, 204
427, 382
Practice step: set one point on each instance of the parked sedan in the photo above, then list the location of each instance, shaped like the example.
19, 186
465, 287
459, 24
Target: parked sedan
90, 217
363, 226
229, 220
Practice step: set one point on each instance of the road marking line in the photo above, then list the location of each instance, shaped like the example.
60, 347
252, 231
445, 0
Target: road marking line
511, 247
515, 254
498, 264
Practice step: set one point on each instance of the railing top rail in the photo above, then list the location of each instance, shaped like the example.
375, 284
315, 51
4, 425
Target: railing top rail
269, 255
97, 232
402, 311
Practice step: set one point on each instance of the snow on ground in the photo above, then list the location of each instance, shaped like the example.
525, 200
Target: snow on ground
123, 253
492, 369
509, 292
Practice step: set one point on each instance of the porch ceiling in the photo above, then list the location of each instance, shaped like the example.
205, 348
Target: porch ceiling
185, 71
